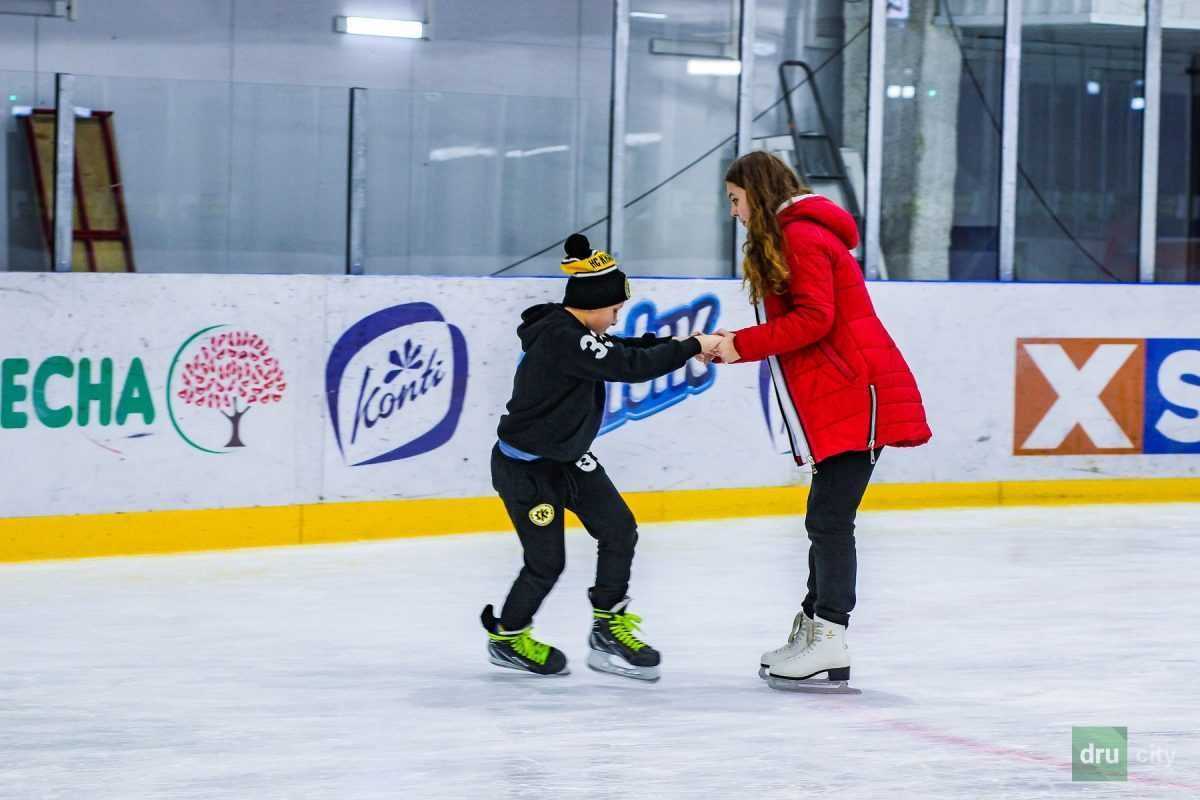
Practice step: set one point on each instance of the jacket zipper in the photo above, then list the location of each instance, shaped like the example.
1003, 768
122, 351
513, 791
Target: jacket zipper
795, 428
871, 435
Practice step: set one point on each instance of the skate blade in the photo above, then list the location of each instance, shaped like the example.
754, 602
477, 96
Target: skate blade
763, 671
811, 685
614, 665
499, 662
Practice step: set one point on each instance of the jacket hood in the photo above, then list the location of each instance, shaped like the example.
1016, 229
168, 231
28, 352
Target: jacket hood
824, 212
535, 320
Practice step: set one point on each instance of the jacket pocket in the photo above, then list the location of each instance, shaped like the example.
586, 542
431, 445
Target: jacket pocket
838, 362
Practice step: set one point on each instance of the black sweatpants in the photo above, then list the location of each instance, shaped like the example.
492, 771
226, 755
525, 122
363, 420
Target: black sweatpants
833, 499
535, 494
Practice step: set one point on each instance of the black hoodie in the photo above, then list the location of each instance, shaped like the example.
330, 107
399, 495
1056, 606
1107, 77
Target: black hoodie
558, 393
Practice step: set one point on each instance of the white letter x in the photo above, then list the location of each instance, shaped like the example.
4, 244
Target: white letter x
1078, 400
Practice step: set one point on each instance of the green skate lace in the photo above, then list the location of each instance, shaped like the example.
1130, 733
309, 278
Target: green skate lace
524, 644
622, 627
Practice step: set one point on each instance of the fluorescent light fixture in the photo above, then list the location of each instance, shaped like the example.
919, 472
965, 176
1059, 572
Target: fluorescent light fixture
764, 49
642, 139
908, 92
691, 48
647, 15
714, 66
893, 91
1138, 104
370, 26
468, 151
40, 8
1093, 87
537, 151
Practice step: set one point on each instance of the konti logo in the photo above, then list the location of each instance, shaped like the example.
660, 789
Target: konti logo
1107, 396
395, 383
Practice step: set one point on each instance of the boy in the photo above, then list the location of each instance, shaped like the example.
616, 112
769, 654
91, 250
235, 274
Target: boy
541, 464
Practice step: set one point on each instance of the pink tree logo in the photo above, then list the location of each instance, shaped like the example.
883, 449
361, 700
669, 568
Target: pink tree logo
232, 372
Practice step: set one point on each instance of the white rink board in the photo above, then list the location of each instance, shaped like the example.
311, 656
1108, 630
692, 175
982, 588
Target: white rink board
449, 348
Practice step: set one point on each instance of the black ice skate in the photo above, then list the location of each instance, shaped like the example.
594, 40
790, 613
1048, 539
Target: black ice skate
519, 650
616, 649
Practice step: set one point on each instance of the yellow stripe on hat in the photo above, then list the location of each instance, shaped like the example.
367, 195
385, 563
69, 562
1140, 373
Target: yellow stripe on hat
599, 261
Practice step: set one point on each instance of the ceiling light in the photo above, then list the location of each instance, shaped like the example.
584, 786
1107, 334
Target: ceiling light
370, 26
714, 66
537, 151
641, 139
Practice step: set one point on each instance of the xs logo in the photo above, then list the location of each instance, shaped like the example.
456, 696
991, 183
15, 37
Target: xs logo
1109, 396
597, 346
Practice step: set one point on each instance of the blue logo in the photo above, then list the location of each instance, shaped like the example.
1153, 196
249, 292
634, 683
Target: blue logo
772, 415
629, 401
781, 441
395, 383
1172, 411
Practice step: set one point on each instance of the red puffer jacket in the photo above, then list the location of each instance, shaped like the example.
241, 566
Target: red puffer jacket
848, 386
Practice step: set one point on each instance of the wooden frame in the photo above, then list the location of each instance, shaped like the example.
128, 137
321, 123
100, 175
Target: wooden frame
101, 236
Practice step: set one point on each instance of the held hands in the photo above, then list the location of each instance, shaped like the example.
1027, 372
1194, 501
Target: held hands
708, 346
717, 347
726, 352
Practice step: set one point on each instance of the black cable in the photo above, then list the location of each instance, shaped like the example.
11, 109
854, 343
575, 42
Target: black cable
1062, 226
697, 160
545, 249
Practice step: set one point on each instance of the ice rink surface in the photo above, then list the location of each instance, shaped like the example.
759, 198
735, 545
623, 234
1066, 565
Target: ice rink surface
358, 671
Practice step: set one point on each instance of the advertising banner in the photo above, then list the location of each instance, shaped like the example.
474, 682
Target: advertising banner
144, 392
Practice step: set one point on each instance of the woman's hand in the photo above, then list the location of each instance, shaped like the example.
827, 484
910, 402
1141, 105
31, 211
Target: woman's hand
708, 345
726, 351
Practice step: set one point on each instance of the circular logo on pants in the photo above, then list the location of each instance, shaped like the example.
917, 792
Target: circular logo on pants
541, 514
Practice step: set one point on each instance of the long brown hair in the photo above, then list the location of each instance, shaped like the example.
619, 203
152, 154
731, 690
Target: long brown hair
769, 183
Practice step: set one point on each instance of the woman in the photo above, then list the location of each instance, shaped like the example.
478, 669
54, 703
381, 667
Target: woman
845, 390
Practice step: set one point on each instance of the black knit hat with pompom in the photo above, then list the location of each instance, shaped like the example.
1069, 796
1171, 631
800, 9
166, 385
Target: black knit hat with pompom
595, 281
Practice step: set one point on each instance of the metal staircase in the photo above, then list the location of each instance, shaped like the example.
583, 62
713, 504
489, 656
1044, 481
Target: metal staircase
830, 170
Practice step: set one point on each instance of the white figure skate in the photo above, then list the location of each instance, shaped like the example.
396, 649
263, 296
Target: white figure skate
823, 666
798, 639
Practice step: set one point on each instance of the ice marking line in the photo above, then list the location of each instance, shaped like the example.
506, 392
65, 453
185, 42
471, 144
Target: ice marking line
922, 732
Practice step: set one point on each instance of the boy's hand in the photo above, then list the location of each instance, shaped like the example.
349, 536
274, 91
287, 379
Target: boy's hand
708, 346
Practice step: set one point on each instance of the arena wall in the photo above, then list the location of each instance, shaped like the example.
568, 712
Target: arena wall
367, 406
